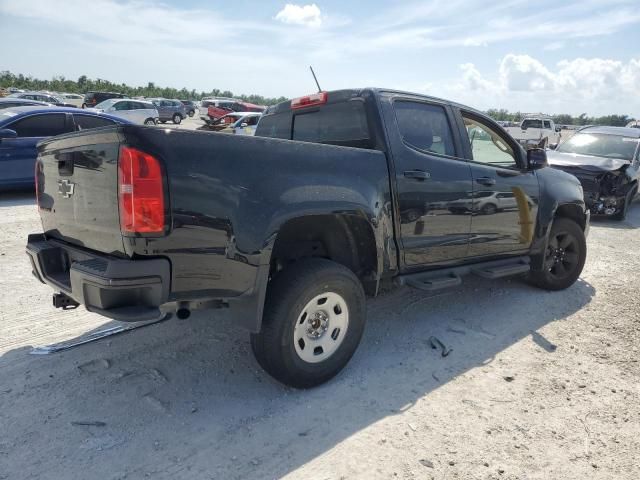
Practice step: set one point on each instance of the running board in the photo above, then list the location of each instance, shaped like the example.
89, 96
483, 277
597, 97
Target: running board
93, 337
451, 277
501, 269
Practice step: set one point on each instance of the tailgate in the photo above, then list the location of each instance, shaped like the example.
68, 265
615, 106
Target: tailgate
77, 179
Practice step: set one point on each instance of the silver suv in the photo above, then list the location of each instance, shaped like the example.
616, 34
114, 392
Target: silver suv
173, 110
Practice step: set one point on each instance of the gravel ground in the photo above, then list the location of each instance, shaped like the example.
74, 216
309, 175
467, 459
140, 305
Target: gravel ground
538, 386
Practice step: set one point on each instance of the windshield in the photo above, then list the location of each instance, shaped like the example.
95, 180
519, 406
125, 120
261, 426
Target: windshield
600, 145
107, 103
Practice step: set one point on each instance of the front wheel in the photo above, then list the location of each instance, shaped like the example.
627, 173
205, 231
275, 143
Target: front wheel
191, 113
624, 209
177, 118
149, 121
564, 257
313, 321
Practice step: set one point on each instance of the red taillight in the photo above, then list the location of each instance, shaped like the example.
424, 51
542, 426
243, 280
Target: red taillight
140, 192
309, 100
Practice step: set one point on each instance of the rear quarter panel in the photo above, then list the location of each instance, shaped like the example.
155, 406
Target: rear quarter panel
230, 195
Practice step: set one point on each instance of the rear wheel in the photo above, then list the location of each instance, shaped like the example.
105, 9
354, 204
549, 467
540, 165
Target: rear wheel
564, 257
312, 324
177, 118
489, 209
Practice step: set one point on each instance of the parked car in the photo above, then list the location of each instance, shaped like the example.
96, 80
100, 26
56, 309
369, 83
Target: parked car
606, 160
190, 106
634, 124
173, 110
289, 228
234, 122
21, 128
219, 108
540, 130
74, 99
246, 124
205, 103
136, 111
21, 102
91, 99
41, 97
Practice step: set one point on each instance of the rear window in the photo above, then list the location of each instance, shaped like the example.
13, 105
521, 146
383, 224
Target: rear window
343, 123
532, 124
275, 126
85, 122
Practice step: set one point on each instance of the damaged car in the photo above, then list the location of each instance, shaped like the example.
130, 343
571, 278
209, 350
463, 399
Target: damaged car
606, 160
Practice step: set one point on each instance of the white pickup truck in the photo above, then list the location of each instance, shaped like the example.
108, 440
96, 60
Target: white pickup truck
539, 130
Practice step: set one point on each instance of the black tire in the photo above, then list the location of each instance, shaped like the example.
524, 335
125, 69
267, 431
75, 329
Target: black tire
149, 121
287, 296
622, 213
564, 256
177, 118
191, 113
489, 209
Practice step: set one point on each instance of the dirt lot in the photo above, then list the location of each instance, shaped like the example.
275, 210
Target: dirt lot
538, 386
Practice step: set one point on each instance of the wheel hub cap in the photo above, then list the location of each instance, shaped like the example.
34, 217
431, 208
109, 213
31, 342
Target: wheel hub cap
321, 327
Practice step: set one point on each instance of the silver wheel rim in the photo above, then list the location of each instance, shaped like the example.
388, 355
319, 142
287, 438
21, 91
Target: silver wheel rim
321, 327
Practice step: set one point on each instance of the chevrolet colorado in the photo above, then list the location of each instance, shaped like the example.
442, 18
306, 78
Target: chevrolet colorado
337, 194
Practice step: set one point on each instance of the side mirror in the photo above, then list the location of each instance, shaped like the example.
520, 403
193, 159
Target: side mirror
523, 127
244, 124
558, 129
536, 159
553, 146
8, 133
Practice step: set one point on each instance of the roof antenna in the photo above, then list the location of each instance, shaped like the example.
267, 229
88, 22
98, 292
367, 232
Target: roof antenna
315, 78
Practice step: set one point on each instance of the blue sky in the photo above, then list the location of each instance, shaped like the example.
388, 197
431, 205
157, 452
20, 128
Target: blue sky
551, 56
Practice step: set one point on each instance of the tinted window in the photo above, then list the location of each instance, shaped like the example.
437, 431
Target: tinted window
532, 123
122, 106
275, 126
343, 123
425, 127
547, 124
46, 125
85, 122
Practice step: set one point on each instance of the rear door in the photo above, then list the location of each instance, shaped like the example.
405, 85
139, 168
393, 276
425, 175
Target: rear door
18, 155
503, 222
430, 174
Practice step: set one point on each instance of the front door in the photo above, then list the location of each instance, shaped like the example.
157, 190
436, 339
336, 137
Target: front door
429, 174
504, 202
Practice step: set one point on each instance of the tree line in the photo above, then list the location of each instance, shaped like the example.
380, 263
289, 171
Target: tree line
565, 119
85, 84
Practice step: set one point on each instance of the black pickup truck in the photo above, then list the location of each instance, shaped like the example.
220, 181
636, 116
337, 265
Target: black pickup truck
337, 194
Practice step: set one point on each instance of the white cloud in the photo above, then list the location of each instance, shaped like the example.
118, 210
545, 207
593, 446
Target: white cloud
308, 15
524, 73
604, 85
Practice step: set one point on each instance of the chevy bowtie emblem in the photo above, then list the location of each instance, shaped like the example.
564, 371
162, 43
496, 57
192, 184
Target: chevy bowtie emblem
66, 188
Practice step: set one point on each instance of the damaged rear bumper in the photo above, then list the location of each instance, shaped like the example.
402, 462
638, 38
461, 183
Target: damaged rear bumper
121, 289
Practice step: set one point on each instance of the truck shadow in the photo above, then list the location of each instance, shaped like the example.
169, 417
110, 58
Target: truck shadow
187, 397
17, 198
